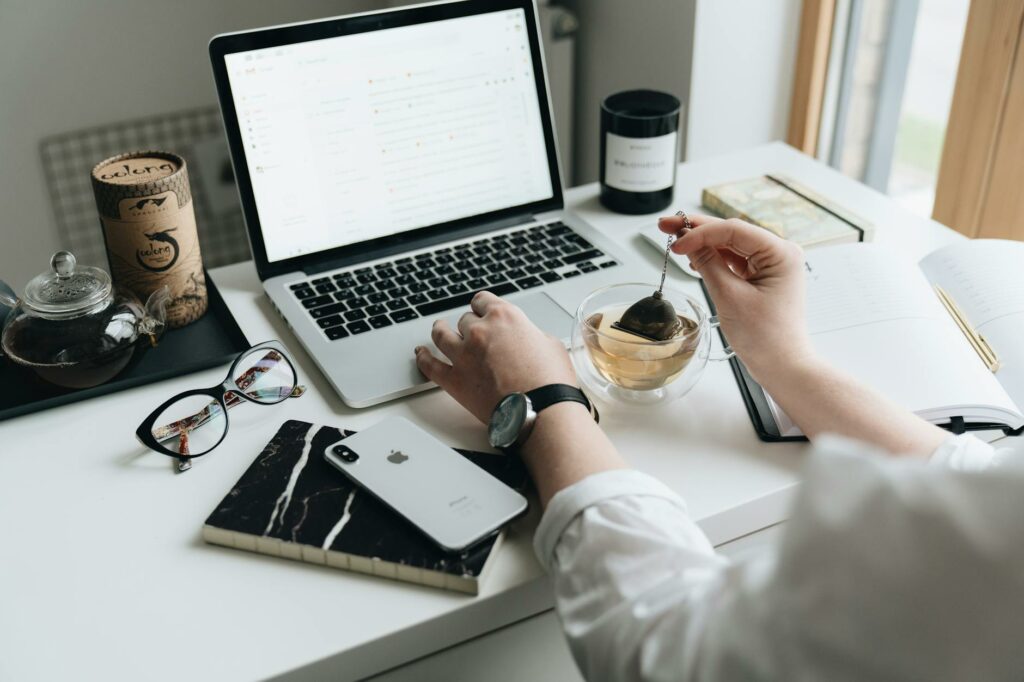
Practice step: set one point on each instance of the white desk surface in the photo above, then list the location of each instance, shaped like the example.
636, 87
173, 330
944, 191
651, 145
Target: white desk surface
103, 574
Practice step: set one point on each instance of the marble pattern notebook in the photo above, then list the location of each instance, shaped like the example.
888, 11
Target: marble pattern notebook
291, 503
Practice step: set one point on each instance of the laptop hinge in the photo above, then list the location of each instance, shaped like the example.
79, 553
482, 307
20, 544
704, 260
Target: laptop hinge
419, 243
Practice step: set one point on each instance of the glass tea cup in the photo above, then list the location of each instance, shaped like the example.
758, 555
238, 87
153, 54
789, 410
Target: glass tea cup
617, 366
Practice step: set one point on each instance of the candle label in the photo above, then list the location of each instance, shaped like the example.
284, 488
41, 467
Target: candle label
640, 164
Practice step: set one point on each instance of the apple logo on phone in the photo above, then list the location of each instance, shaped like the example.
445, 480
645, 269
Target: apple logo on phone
397, 457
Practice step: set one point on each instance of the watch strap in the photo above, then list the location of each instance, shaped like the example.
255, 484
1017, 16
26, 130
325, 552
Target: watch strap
546, 396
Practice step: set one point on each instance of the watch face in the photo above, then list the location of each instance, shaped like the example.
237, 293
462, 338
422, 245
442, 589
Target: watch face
507, 420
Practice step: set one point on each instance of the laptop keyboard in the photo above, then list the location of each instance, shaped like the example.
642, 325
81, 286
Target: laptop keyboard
358, 300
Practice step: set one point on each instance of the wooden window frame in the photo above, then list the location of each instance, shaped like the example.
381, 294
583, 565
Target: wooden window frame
810, 75
979, 189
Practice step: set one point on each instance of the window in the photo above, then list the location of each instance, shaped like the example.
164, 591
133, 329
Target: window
892, 70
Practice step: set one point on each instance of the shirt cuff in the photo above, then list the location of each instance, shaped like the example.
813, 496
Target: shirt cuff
963, 453
569, 502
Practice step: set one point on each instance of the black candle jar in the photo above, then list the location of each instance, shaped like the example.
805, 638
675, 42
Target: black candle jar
639, 150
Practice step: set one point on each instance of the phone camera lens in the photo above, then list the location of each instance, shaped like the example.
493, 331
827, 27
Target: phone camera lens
345, 453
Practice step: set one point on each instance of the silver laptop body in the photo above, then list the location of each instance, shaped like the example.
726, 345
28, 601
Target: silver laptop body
359, 305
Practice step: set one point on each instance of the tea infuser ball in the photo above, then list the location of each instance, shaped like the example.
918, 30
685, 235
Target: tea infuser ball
654, 317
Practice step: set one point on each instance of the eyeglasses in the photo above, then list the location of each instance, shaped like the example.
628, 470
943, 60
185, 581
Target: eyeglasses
193, 423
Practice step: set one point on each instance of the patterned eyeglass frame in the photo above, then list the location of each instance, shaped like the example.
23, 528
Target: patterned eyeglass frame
229, 393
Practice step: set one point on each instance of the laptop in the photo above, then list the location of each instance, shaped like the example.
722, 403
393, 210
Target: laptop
392, 164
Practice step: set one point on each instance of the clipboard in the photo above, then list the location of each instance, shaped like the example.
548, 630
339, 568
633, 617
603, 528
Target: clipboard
763, 421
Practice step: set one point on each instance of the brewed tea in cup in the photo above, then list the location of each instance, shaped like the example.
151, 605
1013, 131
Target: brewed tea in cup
619, 366
633, 362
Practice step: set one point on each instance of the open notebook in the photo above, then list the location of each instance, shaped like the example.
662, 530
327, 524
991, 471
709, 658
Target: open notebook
880, 317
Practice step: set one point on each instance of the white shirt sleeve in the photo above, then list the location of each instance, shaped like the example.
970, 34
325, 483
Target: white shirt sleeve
887, 569
967, 453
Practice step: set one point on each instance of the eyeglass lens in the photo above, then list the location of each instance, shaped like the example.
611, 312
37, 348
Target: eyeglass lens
265, 376
193, 425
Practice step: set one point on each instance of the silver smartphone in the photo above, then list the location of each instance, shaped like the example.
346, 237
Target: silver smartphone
452, 500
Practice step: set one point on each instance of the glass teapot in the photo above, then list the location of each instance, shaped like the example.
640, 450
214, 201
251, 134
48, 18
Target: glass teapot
74, 328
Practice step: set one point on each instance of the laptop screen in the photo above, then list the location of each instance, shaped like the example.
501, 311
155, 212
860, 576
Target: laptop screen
361, 136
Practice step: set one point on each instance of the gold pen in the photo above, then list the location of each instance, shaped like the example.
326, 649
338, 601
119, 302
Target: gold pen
977, 341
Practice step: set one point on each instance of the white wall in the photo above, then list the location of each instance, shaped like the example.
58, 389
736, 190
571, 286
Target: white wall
744, 53
624, 45
69, 65
730, 62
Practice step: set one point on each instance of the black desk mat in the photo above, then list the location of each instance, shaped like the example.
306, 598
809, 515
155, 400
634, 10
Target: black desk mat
212, 340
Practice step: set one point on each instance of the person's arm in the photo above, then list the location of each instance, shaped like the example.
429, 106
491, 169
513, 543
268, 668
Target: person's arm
756, 281
612, 539
822, 399
638, 587
497, 351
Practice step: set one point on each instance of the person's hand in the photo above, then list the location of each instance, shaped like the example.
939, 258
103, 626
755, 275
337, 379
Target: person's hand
756, 281
495, 351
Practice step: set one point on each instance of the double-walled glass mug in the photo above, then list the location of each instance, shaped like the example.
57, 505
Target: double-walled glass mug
616, 366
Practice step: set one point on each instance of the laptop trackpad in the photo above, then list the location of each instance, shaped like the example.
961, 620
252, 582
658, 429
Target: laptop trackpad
542, 310
546, 314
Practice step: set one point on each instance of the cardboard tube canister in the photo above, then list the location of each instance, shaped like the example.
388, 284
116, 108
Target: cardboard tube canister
145, 207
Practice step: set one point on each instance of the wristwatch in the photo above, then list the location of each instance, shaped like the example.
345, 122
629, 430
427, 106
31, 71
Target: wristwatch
514, 416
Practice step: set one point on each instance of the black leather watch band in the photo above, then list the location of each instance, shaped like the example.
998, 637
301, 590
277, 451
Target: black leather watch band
546, 396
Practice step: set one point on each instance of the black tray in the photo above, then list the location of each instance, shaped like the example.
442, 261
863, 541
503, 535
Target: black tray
212, 340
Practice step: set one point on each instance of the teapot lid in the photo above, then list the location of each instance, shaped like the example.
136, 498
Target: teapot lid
68, 290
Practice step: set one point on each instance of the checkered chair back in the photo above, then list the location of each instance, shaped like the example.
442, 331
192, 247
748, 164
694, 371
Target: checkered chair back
197, 135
